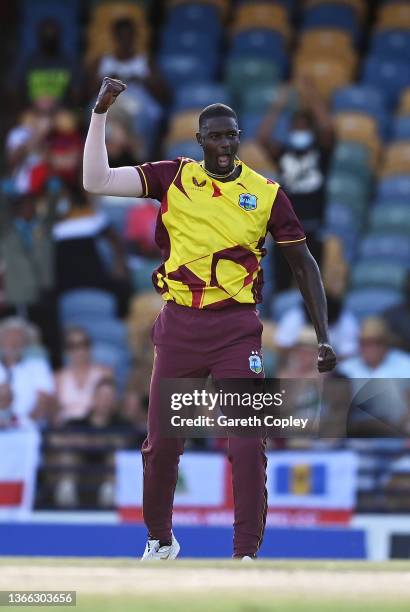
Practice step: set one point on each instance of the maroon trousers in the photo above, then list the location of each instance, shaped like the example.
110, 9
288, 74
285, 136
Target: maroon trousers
192, 343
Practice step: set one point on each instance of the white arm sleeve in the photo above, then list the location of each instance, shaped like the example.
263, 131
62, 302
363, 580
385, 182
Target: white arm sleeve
98, 177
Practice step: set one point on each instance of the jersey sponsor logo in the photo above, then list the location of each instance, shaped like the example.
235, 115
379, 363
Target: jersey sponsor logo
197, 183
255, 362
247, 201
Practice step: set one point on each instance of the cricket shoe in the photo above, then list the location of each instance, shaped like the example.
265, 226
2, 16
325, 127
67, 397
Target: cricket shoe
155, 552
247, 558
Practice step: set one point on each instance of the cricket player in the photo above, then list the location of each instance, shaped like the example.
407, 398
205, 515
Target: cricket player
211, 227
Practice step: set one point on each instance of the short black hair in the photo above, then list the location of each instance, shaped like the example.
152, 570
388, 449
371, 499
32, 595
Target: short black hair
216, 110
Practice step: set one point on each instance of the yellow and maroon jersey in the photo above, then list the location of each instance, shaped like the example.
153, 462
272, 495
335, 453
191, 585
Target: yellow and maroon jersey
211, 233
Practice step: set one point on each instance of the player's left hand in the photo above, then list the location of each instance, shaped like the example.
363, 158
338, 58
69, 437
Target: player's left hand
326, 360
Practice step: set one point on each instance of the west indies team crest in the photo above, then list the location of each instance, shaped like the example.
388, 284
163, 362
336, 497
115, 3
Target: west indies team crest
247, 201
255, 362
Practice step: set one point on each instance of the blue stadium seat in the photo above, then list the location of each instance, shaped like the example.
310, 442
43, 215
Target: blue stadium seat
342, 221
199, 16
348, 188
351, 156
391, 44
190, 42
260, 43
86, 302
401, 128
284, 301
331, 15
115, 358
249, 124
185, 148
378, 272
394, 247
394, 188
180, 69
363, 99
371, 301
390, 77
198, 95
391, 216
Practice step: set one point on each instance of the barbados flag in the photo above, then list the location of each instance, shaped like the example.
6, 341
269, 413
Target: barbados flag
301, 478
312, 479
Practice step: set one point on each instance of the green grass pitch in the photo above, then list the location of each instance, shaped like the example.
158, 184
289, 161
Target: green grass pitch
125, 585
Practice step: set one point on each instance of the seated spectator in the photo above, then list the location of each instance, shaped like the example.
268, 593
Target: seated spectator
302, 162
65, 147
26, 248
398, 319
27, 150
343, 327
30, 377
389, 401
124, 148
95, 439
7, 417
48, 72
79, 259
143, 311
76, 382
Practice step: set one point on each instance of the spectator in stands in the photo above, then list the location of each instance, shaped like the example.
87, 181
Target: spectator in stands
27, 151
343, 327
26, 248
79, 261
147, 91
398, 319
124, 148
127, 63
65, 147
302, 161
76, 382
48, 73
386, 402
143, 311
95, 437
7, 416
140, 231
30, 378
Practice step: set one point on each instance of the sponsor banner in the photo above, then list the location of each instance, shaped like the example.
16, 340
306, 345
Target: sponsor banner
304, 488
19, 452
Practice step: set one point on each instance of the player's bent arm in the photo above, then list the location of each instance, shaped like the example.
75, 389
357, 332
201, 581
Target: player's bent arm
98, 177
307, 275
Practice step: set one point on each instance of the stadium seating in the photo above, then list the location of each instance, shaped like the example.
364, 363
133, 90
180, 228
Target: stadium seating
397, 160
373, 272
266, 15
392, 247
401, 128
391, 217
192, 97
395, 15
391, 77
368, 301
35, 11
87, 303
99, 39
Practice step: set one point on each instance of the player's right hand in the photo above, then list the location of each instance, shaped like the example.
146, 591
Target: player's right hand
109, 91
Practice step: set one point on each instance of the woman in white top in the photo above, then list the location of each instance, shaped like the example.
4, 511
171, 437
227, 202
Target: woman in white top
75, 383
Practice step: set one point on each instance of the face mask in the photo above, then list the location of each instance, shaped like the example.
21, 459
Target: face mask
300, 139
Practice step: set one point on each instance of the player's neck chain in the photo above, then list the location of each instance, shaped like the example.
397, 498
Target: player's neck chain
218, 176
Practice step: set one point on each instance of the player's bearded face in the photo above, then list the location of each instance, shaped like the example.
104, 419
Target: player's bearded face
219, 138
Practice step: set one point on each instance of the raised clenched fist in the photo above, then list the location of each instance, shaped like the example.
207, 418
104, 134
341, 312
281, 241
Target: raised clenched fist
109, 91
